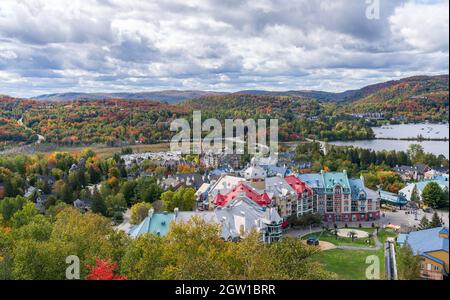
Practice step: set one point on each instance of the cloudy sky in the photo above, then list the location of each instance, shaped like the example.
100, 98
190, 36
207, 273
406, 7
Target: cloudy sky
49, 46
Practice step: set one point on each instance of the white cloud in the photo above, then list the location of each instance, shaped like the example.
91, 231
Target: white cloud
423, 27
112, 45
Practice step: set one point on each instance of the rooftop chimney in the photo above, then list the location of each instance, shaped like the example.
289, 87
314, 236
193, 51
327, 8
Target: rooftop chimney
150, 212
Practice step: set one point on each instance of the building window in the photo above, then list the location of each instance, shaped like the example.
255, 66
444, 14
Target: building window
422, 266
436, 268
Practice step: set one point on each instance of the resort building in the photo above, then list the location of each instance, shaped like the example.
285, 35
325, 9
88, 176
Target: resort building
242, 215
432, 246
305, 195
238, 217
276, 191
340, 199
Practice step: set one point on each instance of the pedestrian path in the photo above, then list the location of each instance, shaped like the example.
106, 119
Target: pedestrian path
301, 232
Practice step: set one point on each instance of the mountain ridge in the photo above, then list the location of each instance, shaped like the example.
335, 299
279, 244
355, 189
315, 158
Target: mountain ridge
175, 96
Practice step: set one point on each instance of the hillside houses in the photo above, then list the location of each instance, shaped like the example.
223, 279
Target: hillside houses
409, 173
177, 181
167, 158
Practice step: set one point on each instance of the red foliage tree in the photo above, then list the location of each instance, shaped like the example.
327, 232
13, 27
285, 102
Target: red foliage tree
104, 270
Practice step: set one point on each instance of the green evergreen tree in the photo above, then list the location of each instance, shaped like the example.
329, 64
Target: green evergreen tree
98, 204
432, 195
408, 264
424, 223
436, 221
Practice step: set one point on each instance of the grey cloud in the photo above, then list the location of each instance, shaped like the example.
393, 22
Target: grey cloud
112, 45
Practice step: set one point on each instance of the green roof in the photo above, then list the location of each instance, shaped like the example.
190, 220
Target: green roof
330, 180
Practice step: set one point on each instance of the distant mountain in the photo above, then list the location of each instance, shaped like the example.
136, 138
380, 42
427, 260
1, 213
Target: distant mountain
170, 96
419, 83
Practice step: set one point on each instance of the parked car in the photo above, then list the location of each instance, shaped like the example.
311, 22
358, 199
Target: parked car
428, 210
313, 241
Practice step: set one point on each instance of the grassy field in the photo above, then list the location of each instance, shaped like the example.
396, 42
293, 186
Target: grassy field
351, 264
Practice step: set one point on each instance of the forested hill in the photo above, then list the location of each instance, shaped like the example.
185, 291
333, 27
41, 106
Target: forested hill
414, 99
417, 98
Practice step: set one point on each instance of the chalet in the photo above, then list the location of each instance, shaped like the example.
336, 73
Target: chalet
83, 205
40, 204
432, 247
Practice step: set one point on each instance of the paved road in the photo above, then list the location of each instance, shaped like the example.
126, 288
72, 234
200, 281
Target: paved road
401, 218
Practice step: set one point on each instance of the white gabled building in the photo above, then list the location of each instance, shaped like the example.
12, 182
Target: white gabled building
280, 193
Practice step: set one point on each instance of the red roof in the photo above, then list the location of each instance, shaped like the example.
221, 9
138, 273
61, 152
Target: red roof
298, 185
260, 199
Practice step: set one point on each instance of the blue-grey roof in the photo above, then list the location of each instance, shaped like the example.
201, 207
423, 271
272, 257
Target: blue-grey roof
393, 198
314, 180
357, 186
427, 240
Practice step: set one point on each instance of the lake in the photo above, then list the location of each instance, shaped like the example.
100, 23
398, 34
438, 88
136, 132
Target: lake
405, 131
435, 147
